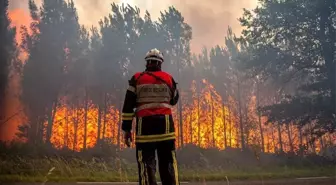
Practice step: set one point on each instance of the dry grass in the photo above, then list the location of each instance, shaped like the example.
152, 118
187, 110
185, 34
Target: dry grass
57, 169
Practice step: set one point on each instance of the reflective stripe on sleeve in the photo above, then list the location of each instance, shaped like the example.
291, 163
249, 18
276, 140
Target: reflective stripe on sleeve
127, 116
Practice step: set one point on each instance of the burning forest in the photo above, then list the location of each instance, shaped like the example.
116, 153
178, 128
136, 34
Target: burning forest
72, 81
256, 104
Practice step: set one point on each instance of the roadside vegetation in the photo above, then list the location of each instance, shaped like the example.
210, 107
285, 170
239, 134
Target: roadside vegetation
22, 163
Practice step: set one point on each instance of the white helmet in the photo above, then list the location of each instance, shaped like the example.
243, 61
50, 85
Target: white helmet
154, 54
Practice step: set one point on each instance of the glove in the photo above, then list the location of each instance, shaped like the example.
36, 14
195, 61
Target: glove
175, 99
128, 138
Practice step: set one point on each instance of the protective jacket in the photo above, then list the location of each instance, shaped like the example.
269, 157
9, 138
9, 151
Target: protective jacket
152, 94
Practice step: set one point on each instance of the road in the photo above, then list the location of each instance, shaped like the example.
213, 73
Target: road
299, 181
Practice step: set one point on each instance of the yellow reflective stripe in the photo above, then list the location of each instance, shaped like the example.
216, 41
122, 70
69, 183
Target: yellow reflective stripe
127, 117
175, 167
154, 139
167, 124
142, 167
153, 105
131, 88
139, 126
146, 174
127, 114
156, 136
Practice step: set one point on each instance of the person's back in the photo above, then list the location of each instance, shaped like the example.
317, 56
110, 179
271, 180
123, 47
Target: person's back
153, 93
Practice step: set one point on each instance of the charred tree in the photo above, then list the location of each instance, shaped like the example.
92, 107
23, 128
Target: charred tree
224, 125
280, 138
259, 119
51, 118
104, 115
240, 114
86, 107
290, 140
212, 121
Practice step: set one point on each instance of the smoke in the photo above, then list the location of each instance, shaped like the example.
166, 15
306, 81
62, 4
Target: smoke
211, 19
208, 19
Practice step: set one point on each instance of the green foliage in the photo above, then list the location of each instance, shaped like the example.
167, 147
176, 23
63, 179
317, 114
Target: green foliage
293, 44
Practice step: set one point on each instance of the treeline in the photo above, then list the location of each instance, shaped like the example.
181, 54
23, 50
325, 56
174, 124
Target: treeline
273, 89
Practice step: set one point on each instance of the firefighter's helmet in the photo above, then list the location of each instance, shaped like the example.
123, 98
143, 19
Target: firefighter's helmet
154, 54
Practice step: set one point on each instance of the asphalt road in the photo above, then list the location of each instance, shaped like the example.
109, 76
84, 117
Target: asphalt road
303, 181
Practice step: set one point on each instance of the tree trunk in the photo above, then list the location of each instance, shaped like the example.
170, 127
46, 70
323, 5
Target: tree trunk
36, 133
191, 128
104, 115
247, 130
66, 134
280, 138
86, 107
321, 143
198, 119
51, 118
259, 119
75, 130
212, 122
119, 125
224, 125
240, 117
290, 137
180, 119
230, 127
268, 144
99, 124
300, 136
330, 140
273, 137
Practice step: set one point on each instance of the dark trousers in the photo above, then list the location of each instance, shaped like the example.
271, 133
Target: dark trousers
145, 153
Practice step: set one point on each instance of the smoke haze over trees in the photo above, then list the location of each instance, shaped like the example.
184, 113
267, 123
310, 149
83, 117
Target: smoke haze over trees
271, 89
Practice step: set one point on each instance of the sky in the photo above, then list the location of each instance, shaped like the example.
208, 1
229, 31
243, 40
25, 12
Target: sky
209, 19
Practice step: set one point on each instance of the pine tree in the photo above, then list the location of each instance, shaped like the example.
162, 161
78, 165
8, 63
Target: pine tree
44, 72
7, 54
293, 43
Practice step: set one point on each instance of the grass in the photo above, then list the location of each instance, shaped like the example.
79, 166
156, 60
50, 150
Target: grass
64, 170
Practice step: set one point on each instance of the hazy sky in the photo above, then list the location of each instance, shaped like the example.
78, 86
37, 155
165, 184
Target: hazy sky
208, 18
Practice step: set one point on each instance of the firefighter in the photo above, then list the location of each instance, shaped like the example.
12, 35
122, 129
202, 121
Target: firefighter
152, 94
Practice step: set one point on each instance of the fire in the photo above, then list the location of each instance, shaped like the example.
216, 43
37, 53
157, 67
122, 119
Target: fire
68, 129
203, 119
207, 111
207, 122
14, 113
